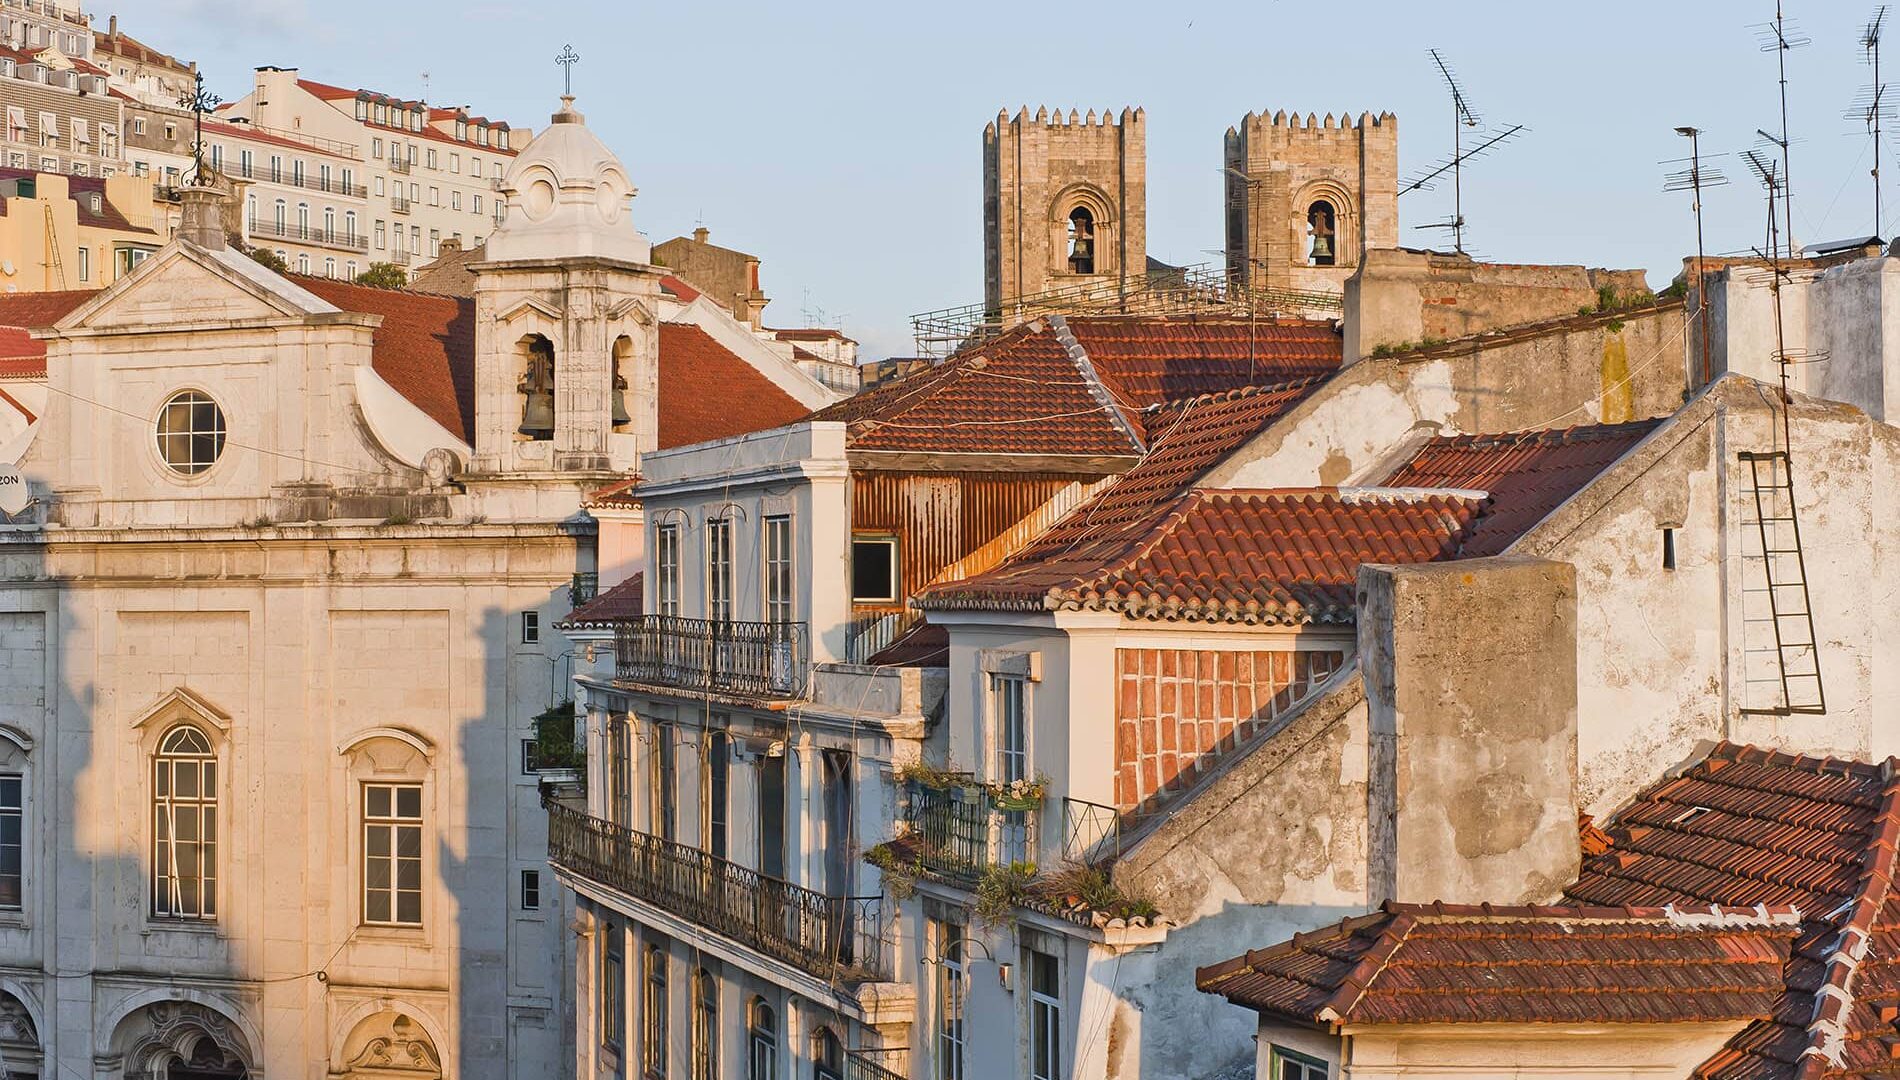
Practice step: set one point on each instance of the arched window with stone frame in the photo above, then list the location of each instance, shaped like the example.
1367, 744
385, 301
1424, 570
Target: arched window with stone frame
1325, 225
1082, 224
185, 836
390, 796
535, 362
623, 362
16, 855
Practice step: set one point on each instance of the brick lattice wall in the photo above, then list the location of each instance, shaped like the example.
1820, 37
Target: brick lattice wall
1177, 709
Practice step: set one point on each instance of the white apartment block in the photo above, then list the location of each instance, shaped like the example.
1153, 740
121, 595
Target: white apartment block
430, 174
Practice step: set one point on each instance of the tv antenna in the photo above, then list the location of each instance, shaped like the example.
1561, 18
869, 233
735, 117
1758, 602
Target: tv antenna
1782, 37
425, 87
1871, 106
1693, 179
1463, 116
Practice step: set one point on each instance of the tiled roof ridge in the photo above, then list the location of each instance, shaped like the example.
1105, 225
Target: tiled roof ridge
1750, 754
1677, 914
898, 394
403, 289
1217, 396
1354, 986
1098, 388
1573, 434
1834, 999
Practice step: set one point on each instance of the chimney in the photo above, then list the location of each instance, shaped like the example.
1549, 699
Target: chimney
700, 234
112, 30
202, 217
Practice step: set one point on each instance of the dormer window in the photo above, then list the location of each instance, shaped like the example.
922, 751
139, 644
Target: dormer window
1081, 240
1322, 238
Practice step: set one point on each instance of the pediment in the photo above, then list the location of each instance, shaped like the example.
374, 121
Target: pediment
186, 286
524, 306
631, 306
182, 704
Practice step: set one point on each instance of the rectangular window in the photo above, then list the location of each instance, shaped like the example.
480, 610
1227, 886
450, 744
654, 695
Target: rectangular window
392, 854
719, 569
531, 890
1009, 713
530, 759
12, 853
949, 1000
778, 569
663, 783
455, 200
718, 785
85, 264
477, 208
874, 569
376, 151
530, 627
1045, 1016
620, 770
613, 986
1287, 1065
772, 817
653, 1009
667, 559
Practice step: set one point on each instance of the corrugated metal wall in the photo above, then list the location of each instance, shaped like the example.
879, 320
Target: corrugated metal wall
940, 517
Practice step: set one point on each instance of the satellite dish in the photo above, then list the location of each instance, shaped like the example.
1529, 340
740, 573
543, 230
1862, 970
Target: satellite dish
13, 491
6, 267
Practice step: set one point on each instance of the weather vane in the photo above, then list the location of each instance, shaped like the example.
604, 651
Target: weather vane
200, 101
567, 60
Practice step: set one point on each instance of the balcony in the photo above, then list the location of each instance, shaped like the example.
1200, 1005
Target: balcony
399, 257
956, 834
305, 234
306, 181
827, 936
400, 165
752, 659
400, 204
864, 1064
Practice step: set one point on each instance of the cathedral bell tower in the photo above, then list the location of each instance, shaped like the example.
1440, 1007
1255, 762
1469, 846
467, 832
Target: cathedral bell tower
566, 308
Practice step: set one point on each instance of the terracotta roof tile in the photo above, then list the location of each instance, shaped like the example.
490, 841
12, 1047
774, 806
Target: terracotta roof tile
685, 292
21, 355
424, 349
1424, 964
707, 392
1148, 360
81, 188
1528, 474
626, 600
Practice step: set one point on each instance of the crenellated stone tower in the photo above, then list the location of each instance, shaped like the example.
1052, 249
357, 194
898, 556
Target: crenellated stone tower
1064, 206
566, 330
1306, 199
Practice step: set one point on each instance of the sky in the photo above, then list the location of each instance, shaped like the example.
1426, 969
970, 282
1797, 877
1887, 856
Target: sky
841, 142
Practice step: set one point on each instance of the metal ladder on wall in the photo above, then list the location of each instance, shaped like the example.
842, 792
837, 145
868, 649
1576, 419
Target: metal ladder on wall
52, 249
1781, 654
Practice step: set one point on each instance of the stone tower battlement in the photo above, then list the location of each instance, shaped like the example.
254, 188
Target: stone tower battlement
1064, 203
1308, 196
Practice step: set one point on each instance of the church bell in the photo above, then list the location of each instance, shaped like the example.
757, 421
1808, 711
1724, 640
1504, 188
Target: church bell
537, 415
620, 401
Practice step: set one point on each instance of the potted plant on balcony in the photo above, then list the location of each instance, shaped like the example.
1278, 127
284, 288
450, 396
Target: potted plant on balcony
1019, 795
920, 774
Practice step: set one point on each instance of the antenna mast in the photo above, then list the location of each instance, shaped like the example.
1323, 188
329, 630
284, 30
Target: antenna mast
1463, 116
1871, 106
1780, 37
1694, 179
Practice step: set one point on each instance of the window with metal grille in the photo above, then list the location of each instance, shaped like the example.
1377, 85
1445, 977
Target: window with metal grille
184, 826
778, 569
392, 854
719, 569
190, 432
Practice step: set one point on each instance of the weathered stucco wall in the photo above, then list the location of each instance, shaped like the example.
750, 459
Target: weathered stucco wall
1473, 736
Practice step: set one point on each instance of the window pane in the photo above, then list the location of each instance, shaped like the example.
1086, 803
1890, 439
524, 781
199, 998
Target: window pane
409, 802
409, 843
376, 841
409, 907
377, 907
377, 801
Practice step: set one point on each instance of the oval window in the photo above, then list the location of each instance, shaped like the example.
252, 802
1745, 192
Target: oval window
190, 432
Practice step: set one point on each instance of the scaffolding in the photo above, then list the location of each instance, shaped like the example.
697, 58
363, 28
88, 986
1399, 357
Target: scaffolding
1202, 289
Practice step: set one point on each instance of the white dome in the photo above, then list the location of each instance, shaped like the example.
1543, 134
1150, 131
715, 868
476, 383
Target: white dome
567, 198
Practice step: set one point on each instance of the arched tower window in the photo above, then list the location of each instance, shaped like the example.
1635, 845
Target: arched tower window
184, 826
623, 356
1081, 241
1322, 234
537, 388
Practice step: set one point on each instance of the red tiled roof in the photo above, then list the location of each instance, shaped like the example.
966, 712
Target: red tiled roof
1147, 360
81, 187
1186, 439
1455, 964
807, 333
328, 92
619, 493
234, 130
925, 644
1528, 474
424, 349
685, 292
708, 392
21, 355
1748, 826
133, 49
623, 601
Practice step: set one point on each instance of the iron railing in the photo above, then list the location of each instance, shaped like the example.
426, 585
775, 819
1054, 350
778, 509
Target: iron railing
346, 241
332, 186
1091, 832
400, 204
761, 659
398, 163
827, 936
958, 834
859, 1066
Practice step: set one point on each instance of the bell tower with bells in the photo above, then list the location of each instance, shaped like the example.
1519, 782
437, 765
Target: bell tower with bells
566, 303
1306, 199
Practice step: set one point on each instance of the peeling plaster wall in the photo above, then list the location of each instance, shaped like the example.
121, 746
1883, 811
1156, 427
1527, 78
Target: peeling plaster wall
1362, 423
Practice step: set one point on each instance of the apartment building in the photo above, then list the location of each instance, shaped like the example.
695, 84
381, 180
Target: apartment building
429, 174
139, 71
60, 113
73, 232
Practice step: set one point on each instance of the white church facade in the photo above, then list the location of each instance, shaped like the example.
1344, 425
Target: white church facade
276, 626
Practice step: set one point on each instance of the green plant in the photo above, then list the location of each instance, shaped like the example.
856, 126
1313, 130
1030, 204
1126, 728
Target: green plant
1090, 888
900, 877
1001, 889
261, 521
1677, 289
384, 275
554, 746
400, 517
266, 257
924, 774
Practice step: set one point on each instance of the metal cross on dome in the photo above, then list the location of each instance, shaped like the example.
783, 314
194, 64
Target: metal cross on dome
567, 60
200, 101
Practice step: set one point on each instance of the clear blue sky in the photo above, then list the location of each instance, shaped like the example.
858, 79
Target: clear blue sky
841, 141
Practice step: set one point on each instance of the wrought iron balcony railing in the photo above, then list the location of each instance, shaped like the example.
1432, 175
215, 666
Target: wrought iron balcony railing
757, 659
310, 234
828, 936
864, 1064
398, 163
400, 204
957, 833
1091, 832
